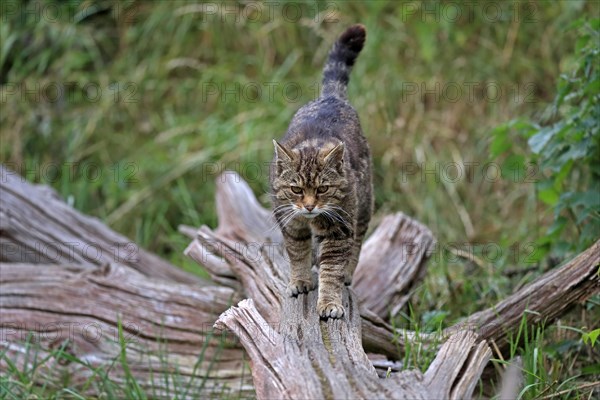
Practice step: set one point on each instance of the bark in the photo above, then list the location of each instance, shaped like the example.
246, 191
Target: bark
541, 301
283, 334
67, 280
167, 328
392, 260
310, 358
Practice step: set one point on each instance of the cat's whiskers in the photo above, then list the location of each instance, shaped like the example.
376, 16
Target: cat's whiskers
338, 208
280, 207
277, 210
288, 215
329, 216
327, 210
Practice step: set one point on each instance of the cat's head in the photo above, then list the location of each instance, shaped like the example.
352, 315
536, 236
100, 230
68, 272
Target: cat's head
310, 178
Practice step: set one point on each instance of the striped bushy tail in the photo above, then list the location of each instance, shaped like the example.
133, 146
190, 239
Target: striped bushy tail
336, 73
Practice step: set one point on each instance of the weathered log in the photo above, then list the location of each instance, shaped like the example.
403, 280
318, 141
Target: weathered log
239, 262
70, 279
315, 359
543, 300
393, 261
36, 226
167, 327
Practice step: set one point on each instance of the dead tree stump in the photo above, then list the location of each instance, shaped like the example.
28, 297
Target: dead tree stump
296, 355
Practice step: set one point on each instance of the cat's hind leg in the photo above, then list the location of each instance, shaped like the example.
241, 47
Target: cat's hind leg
362, 224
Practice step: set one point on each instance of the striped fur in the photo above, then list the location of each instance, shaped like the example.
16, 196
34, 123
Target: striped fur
344, 52
321, 184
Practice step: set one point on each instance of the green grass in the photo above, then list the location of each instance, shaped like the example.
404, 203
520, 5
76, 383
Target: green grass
146, 121
551, 362
23, 371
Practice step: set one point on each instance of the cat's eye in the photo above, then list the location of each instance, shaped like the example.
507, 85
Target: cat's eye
322, 189
296, 189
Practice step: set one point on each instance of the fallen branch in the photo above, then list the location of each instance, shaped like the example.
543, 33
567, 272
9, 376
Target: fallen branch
246, 252
167, 327
543, 300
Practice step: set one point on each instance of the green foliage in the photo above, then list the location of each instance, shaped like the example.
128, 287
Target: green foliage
419, 352
21, 376
544, 360
591, 337
566, 149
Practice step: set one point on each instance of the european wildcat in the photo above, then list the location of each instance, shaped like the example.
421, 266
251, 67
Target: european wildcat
321, 183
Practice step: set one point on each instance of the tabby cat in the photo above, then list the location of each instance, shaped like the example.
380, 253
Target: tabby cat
321, 183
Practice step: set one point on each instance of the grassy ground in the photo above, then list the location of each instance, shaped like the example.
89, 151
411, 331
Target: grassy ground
129, 109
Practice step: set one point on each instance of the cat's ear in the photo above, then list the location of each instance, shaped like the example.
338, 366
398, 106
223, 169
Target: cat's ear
282, 153
335, 156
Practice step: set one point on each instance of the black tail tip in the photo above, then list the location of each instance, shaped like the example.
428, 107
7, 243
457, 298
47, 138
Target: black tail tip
354, 37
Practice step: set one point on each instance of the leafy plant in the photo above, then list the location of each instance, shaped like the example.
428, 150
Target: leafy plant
591, 337
564, 149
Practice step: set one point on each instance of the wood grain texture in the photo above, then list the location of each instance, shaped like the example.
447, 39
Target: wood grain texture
393, 261
294, 353
167, 326
308, 358
263, 272
36, 226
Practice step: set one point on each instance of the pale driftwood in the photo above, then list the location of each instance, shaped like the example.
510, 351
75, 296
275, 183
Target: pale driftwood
167, 327
37, 227
294, 353
307, 358
236, 254
393, 261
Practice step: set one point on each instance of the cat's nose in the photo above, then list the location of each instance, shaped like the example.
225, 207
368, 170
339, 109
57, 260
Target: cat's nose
309, 207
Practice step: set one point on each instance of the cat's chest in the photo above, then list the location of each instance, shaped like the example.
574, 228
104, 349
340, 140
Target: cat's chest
320, 225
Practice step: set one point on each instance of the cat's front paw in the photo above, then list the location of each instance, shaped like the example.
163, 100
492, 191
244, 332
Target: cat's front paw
298, 286
330, 309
